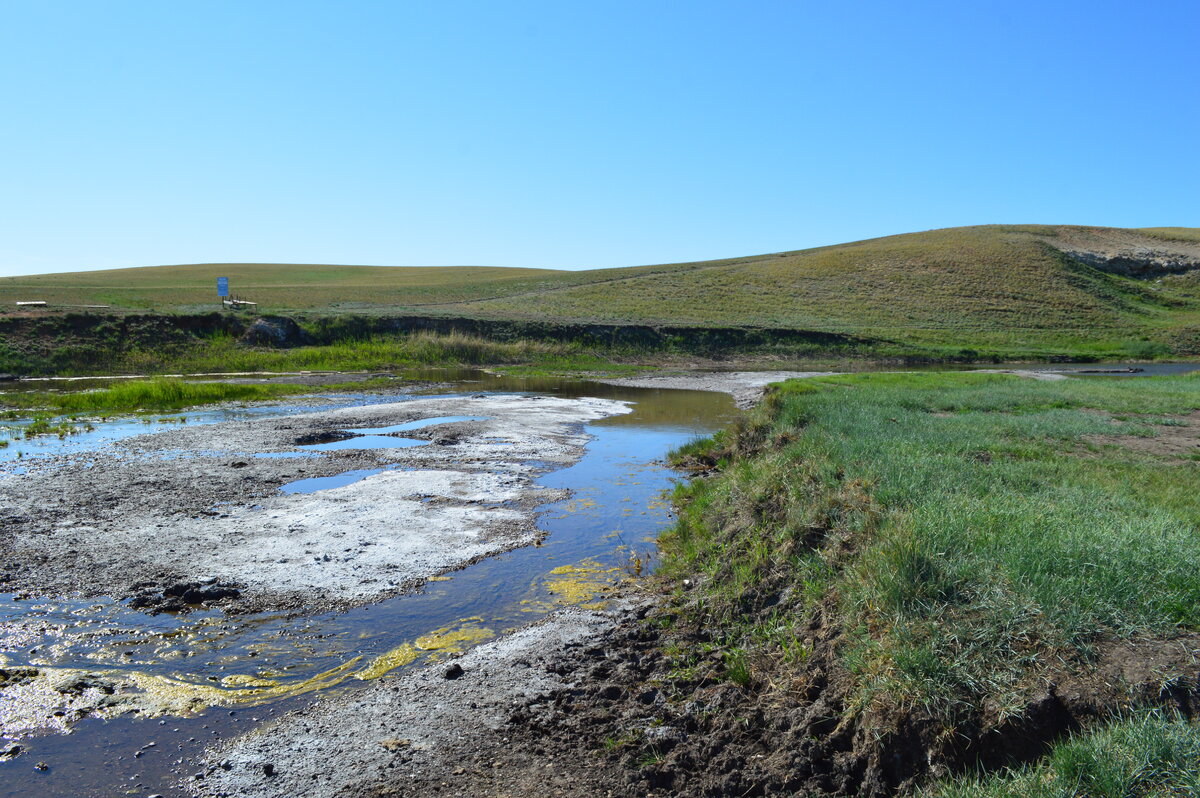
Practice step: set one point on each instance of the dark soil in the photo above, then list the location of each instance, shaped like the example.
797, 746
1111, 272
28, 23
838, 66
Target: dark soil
634, 727
1176, 442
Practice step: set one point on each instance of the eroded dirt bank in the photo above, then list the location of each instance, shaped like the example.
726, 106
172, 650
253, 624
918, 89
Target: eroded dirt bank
199, 508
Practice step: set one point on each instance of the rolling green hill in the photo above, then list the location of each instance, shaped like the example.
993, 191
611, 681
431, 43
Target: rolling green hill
1006, 288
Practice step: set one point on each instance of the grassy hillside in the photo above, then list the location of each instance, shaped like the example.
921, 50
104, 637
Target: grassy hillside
277, 286
1018, 290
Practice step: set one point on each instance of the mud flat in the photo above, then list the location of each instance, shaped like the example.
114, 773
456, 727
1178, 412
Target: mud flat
413, 731
195, 515
746, 387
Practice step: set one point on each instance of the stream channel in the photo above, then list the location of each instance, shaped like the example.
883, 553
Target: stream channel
219, 675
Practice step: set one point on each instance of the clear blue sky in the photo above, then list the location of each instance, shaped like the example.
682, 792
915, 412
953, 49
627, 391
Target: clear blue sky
574, 135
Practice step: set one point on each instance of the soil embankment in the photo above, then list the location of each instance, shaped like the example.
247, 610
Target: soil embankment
75, 342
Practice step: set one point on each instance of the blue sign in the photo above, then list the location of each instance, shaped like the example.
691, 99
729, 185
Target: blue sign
222, 286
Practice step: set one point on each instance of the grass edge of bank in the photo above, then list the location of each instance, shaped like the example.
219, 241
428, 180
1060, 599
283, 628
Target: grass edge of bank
790, 530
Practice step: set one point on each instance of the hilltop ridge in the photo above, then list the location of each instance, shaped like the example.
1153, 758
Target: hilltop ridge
1004, 287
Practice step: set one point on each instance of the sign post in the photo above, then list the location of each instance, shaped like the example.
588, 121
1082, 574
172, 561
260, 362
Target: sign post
222, 287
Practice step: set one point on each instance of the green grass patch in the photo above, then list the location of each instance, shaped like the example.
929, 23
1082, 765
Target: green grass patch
107, 350
961, 528
1148, 755
154, 395
381, 353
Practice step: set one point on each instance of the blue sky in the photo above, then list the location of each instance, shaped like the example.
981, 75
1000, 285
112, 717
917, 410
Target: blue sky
575, 135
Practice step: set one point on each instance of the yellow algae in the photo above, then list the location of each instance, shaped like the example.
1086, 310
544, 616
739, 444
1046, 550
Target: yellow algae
162, 695
577, 506
151, 695
178, 696
396, 658
455, 638
246, 680
439, 579
580, 583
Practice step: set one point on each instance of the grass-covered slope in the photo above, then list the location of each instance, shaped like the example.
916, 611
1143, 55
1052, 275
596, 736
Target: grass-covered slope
955, 570
1004, 288
1008, 290
280, 286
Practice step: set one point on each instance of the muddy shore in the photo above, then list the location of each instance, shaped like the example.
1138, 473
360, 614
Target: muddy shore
193, 518
462, 727
421, 731
746, 387
199, 508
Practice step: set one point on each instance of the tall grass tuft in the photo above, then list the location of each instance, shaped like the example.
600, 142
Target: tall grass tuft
1146, 755
160, 394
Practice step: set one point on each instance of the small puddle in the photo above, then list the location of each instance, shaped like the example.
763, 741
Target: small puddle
409, 426
365, 442
385, 437
93, 431
314, 484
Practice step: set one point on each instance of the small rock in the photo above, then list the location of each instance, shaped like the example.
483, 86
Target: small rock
664, 737
268, 769
453, 671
